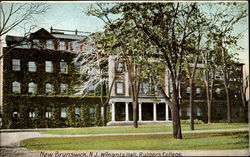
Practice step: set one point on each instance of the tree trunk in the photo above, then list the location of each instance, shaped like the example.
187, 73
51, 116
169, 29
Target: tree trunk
191, 103
228, 105
176, 113
135, 106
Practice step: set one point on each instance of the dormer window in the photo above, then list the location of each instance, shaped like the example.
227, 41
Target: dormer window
49, 44
36, 43
62, 45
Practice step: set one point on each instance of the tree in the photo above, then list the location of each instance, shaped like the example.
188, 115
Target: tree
225, 40
94, 64
13, 15
124, 45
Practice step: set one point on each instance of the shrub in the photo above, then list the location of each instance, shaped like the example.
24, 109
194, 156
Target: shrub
196, 121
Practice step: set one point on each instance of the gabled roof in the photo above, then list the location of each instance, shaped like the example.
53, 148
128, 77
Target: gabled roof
41, 34
44, 34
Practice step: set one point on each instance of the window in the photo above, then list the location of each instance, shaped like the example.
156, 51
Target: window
77, 66
119, 88
218, 91
32, 87
36, 43
63, 112
62, 45
63, 88
32, 113
32, 66
199, 112
198, 91
48, 88
49, 44
16, 64
170, 88
91, 112
69, 46
48, 112
119, 68
76, 46
145, 88
16, 114
48, 66
188, 90
77, 112
16, 87
63, 66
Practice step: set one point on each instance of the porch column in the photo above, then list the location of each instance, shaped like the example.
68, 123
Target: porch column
126, 111
113, 111
166, 110
140, 116
154, 111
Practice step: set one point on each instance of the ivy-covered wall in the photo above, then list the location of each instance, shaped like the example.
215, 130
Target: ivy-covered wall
23, 104
219, 111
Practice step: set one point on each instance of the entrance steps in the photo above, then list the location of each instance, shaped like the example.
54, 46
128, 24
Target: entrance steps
128, 123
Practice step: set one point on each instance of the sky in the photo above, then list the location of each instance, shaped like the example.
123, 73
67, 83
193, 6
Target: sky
70, 16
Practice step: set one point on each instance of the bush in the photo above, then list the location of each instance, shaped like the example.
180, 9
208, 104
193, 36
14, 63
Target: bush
196, 121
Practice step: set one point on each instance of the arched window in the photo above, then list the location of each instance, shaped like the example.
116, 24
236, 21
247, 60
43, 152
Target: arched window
32, 87
16, 87
48, 88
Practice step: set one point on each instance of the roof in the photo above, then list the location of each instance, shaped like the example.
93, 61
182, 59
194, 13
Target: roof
15, 40
69, 36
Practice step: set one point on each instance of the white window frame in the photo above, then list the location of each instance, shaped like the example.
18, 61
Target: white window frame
77, 112
16, 87
198, 91
49, 44
77, 66
32, 88
64, 88
32, 66
48, 66
63, 66
48, 88
48, 112
188, 90
16, 64
62, 45
118, 89
32, 113
36, 43
63, 113
92, 112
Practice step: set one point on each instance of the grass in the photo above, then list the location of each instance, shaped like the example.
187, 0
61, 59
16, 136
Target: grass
142, 129
191, 141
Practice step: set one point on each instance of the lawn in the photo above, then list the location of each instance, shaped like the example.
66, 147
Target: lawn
191, 141
142, 129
